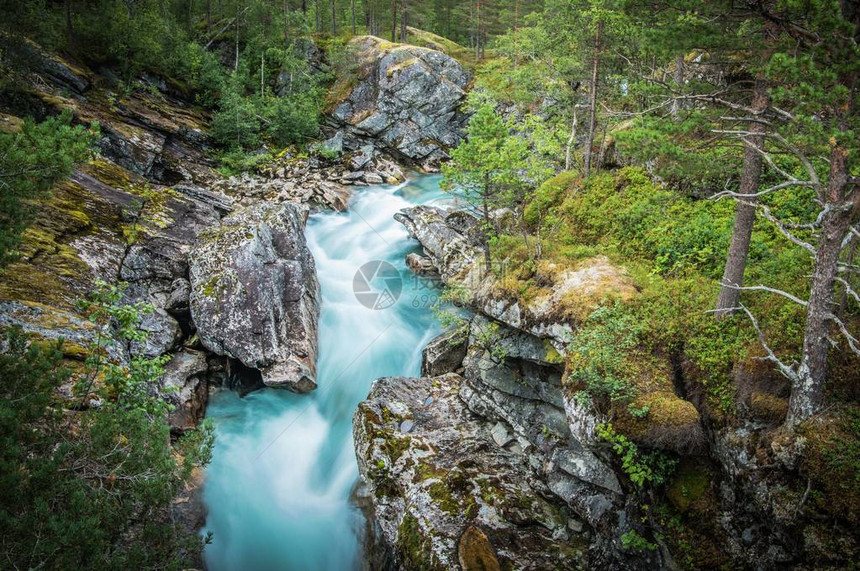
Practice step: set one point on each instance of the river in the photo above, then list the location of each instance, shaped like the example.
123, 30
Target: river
283, 467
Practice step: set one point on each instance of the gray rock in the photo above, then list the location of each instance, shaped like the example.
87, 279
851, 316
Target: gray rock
500, 434
334, 144
420, 264
449, 487
373, 178
163, 334
180, 291
362, 157
184, 386
255, 295
223, 204
406, 102
444, 354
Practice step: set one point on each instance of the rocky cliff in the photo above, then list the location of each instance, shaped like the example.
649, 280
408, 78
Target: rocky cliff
148, 211
405, 102
732, 499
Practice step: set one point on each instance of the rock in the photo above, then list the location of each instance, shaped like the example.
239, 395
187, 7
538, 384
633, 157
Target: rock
362, 157
180, 291
444, 354
373, 178
475, 551
353, 175
449, 240
419, 264
406, 101
334, 144
184, 385
445, 492
221, 203
162, 331
255, 295
500, 434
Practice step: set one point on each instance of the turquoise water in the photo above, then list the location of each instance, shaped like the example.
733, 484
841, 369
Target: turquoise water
283, 466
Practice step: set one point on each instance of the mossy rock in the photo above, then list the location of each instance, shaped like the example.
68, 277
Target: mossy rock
667, 422
769, 408
414, 547
475, 551
690, 482
831, 459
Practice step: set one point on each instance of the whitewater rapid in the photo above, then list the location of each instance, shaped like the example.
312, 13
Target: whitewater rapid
278, 488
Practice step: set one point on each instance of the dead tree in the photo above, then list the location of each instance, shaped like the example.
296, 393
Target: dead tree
833, 230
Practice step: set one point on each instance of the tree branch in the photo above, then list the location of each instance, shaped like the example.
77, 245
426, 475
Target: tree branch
768, 289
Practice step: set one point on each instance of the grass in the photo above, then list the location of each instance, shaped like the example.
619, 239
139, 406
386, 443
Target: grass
672, 249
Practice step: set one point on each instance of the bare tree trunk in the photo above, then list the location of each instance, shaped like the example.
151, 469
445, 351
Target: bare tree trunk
317, 14
571, 141
236, 63
394, 20
478, 31
304, 6
736, 261
842, 205
353, 17
592, 103
333, 19
262, 74
403, 21
70, 33
679, 81
843, 303
487, 223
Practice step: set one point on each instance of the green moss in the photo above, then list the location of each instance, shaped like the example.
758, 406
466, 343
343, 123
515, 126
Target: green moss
414, 547
552, 355
443, 497
832, 462
395, 446
689, 483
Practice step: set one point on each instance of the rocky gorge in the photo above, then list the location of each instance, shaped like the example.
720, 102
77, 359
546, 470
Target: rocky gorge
487, 460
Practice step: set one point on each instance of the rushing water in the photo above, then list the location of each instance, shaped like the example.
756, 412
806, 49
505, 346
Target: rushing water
284, 465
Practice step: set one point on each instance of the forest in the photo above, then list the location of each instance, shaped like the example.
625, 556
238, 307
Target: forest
706, 153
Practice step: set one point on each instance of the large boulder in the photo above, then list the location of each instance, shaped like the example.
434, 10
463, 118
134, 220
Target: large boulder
406, 102
255, 296
444, 495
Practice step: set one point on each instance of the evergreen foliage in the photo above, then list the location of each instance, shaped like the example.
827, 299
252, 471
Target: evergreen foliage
31, 162
91, 489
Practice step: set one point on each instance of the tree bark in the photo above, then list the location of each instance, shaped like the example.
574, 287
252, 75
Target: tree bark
745, 211
333, 19
487, 223
571, 141
353, 17
679, 81
394, 20
70, 33
403, 21
592, 103
842, 205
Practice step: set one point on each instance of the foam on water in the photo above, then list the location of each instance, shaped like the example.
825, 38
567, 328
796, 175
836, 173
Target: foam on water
283, 466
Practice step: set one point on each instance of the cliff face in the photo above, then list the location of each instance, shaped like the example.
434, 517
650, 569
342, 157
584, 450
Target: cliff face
730, 501
405, 102
148, 211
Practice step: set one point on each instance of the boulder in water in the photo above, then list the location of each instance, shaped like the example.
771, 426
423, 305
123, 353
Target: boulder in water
255, 295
